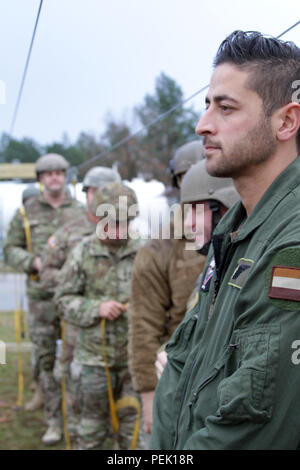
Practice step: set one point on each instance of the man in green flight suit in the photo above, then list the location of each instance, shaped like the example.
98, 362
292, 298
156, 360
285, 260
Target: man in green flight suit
232, 378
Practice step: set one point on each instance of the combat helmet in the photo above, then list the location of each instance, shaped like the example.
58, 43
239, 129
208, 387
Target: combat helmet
98, 175
185, 156
198, 185
50, 162
108, 195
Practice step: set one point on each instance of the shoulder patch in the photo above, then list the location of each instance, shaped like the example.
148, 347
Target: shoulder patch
282, 279
52, 241
285, 283
241, 272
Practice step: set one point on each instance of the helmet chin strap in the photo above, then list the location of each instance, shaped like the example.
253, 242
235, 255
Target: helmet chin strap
215, 218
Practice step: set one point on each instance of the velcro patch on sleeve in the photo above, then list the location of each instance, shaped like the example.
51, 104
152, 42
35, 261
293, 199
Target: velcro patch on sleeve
285, 283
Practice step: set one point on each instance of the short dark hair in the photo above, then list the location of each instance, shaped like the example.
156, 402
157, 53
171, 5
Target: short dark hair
275, 65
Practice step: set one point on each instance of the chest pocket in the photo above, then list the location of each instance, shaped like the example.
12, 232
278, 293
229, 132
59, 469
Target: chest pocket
40, 230
247, 394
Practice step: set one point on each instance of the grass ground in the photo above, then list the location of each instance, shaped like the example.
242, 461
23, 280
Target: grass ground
18, 429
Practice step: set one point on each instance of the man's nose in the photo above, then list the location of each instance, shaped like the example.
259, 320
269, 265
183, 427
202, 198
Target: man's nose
205, 124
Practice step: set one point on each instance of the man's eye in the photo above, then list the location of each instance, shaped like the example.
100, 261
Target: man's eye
225, 108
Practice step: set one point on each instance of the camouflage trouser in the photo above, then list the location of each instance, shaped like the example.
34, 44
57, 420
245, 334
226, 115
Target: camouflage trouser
72, 371
44, 330
95, 424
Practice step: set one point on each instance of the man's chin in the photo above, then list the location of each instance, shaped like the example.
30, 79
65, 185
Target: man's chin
217, 168
55, 191
212, 166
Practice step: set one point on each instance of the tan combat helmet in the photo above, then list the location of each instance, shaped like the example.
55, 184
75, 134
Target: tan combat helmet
51, 162
112, 195
198, 185
186, 156
98, 175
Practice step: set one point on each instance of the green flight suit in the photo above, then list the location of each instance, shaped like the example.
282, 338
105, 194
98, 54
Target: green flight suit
233, 374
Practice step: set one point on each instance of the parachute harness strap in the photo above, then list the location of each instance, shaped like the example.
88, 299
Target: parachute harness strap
19, 329
124, 402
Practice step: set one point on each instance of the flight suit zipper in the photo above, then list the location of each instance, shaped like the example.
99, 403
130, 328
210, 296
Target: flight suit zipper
218, 366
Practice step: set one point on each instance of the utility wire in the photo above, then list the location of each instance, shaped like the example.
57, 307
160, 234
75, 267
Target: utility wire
131, 136
92, 160
25, 72
289, 29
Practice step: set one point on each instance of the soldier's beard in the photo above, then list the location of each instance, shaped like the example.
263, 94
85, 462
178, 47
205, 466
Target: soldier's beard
54, 191
257, 146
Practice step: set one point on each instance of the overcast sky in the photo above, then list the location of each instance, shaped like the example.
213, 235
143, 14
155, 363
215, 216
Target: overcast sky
92, 58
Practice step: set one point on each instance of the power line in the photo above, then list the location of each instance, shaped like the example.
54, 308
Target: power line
25, 72
131, 136
289, 29
155, 121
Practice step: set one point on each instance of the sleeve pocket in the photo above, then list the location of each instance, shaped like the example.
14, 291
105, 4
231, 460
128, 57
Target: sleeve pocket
248, 394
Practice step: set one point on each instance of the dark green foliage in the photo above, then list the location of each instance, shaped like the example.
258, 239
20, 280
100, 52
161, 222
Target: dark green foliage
147, 153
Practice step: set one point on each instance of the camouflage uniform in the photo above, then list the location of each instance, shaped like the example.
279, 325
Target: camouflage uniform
43, 322
92, 274
53, 258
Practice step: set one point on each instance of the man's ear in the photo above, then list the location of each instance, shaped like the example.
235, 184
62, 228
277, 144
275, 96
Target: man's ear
287, 121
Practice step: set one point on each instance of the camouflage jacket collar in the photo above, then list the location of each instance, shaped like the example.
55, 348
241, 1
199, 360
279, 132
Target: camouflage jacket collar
66, 202
101, 249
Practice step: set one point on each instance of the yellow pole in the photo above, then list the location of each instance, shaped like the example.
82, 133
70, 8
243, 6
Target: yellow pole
63, 388
18, 340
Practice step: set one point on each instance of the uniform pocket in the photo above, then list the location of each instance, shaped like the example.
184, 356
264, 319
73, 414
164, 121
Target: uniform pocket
247, 394
178, 346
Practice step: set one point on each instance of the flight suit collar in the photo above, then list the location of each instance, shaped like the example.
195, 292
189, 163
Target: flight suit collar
236, 218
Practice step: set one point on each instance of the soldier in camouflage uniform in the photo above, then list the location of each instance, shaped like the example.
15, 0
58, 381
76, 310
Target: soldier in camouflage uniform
44, 214
95, 287
53, 258
37, 401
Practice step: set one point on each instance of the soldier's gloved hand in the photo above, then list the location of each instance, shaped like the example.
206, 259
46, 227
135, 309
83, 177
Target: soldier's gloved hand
160, 363
147, 400
37, 264
111, 310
